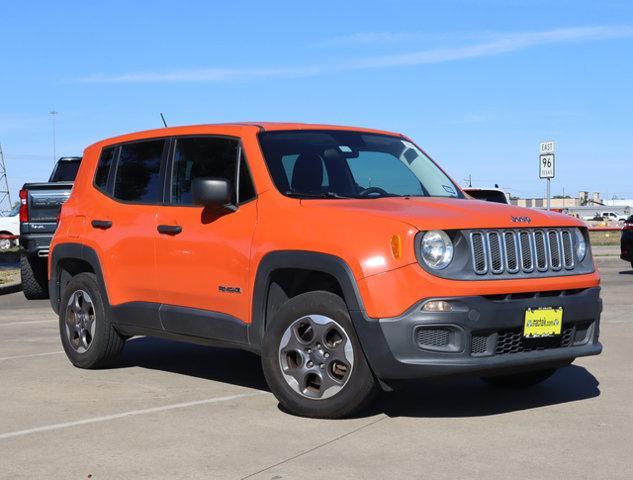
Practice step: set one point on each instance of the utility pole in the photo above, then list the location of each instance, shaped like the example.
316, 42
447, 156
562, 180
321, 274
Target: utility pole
5, 194
53, 114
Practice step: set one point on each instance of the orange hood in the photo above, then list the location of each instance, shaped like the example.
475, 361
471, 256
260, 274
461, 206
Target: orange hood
429, 213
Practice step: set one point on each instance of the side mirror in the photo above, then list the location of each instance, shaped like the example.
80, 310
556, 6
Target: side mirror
212, 192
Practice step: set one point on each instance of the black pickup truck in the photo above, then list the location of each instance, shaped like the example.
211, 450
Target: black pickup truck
40, 204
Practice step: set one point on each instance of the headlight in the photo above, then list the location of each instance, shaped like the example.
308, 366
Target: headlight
436, 249
581, 245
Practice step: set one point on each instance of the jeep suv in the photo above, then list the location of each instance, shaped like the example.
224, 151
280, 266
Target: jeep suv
345, 257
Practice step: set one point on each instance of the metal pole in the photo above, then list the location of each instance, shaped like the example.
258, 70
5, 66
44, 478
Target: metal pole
52, 113
548, 193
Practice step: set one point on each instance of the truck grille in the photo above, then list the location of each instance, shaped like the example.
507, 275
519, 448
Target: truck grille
496, 252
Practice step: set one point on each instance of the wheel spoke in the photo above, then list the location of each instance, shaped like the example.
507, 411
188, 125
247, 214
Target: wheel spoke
76, 302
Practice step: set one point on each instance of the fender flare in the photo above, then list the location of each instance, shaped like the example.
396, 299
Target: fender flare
77, 251
299, 259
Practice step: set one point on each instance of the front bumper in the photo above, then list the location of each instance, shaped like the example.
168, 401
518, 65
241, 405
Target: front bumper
482, 335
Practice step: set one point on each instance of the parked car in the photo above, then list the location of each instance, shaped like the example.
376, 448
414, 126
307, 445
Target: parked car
488, 194
605, 216
9, 229
626, 243
345, 257
40, 206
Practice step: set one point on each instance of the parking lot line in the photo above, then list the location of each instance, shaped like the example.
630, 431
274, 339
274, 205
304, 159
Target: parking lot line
16, 357
131, 413
29, 322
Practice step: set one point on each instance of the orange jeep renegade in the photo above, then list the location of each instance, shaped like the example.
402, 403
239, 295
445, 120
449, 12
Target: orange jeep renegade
345, 257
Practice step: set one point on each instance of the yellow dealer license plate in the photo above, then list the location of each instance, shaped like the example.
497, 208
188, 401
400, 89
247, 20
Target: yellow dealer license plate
543, 322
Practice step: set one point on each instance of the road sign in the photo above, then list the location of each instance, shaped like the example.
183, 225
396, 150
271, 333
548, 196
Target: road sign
547, 166
545, 148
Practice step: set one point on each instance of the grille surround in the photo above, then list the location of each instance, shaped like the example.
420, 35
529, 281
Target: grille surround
522, 251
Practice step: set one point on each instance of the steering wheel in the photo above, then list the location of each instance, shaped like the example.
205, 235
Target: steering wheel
368, 191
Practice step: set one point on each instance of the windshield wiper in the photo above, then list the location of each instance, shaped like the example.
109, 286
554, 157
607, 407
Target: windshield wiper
290, 193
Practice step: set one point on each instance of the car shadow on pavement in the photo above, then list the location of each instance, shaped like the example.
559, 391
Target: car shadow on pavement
626, 272
450, 397
224, 365
471, 397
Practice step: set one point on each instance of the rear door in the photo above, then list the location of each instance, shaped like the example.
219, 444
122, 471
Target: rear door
203, 264
123, 223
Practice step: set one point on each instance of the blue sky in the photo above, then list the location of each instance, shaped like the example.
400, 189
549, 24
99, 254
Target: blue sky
476, 84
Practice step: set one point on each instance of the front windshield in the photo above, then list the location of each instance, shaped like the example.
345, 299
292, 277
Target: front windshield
337, 163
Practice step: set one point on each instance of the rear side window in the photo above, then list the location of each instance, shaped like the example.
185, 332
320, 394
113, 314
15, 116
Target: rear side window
103, 168
198, 157
138, 172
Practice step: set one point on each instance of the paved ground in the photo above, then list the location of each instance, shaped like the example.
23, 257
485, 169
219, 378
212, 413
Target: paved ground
169, 410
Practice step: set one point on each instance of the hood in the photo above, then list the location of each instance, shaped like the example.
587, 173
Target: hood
430, 213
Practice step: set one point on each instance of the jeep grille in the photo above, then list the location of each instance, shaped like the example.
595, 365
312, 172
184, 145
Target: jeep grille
496, 252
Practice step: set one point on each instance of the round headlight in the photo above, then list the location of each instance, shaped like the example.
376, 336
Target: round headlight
436, 249
581, 246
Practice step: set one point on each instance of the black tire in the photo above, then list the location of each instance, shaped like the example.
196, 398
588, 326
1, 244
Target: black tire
360, 385
34, 277
520, 380
106, 343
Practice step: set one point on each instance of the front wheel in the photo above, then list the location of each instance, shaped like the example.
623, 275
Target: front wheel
312, 359
520, 380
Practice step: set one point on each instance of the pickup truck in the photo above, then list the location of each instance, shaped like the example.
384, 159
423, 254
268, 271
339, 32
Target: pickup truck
40, 204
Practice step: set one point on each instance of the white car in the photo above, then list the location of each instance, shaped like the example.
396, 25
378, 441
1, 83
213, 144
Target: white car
9, 225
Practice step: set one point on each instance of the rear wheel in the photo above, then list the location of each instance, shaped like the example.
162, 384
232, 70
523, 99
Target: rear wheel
520, 380
33, 274
88, 337
312, 359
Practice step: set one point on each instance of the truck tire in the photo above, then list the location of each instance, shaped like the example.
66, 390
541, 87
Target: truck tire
520, 380
34, 277
312, 359
87, 334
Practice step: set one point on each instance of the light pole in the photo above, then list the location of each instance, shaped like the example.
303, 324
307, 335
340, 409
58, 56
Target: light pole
53, 113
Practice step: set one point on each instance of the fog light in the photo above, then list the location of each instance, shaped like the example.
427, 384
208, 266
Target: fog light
437, 306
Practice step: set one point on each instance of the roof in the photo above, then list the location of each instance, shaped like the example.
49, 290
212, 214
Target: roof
261, 126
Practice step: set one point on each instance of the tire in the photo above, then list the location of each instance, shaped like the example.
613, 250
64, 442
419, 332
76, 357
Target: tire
520, 380
333, 379
34, 277
87, 334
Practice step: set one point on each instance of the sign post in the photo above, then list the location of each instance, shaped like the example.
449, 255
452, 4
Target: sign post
547, 165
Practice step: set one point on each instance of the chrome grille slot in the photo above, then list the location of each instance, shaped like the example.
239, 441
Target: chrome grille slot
494, 247
554, 250
568, 250
540, 252
511, 250
478, 250
520, 252
525, 246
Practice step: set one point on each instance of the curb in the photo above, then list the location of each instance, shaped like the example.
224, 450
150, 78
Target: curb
10, 288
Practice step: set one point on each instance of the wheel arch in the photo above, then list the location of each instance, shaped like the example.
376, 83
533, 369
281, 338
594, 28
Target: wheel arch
67, 260
314, 266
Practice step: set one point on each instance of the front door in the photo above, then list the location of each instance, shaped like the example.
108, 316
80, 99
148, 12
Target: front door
203, 254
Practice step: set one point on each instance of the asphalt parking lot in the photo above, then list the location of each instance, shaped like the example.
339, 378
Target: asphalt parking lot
172, 410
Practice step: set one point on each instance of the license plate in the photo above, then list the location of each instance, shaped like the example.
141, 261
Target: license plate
543, 322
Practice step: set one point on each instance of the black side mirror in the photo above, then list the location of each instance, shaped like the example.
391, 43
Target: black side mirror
212, 192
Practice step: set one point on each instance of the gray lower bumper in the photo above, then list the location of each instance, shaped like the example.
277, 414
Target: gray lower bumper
480, 336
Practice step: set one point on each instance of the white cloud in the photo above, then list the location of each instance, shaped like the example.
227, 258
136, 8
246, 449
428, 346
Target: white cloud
501, 44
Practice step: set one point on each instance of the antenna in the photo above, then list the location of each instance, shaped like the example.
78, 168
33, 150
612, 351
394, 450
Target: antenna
163, 119
5, 194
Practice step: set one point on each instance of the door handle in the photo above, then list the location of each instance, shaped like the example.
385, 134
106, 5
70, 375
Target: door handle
101, 224
169, 229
